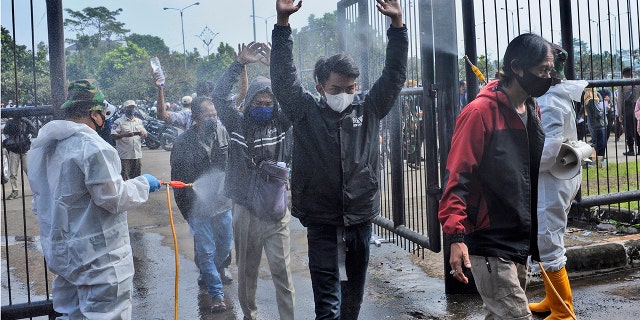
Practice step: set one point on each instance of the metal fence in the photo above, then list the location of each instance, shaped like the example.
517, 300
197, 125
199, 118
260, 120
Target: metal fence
24, 267
601, 37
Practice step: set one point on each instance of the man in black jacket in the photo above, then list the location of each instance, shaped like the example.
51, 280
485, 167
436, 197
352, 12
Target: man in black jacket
200, 156
257, 134
335, 188
19, 132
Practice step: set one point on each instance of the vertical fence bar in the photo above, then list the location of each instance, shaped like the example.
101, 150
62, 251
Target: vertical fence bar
566, 28
470, 49
57, 67
363, 43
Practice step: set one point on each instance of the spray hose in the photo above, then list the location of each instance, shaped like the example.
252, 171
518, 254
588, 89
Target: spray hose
175, 185
564, 304
476, 71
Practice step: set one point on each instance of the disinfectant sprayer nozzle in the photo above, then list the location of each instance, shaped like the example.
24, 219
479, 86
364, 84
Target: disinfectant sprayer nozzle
177, 184
475, 70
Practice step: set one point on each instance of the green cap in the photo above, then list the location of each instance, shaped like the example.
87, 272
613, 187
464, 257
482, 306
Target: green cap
559, 59
85, 90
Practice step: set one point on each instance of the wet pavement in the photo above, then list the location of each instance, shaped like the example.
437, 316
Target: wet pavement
399, 285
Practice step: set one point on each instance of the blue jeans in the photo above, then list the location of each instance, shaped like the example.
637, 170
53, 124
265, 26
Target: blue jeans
600, 140
335, 299
213, 238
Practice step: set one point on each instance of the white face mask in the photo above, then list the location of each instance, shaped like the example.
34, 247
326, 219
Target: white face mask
339, 102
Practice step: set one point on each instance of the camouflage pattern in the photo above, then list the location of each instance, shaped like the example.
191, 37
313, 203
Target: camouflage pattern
559, 59
85, 90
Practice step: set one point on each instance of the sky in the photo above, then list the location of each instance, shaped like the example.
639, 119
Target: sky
230, 19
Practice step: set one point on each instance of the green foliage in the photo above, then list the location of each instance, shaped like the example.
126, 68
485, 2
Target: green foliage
83, 62
154, 46
95, 23
20, 68
319, 38
123, 73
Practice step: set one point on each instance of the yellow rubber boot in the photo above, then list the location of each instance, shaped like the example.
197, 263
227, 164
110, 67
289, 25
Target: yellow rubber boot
560, 281
542, 306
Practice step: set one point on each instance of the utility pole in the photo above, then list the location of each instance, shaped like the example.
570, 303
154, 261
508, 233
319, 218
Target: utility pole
184, 48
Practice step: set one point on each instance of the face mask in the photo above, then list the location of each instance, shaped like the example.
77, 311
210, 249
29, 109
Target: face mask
209, 127
262, 114
533, 85
129, 113
339, 102
98, 128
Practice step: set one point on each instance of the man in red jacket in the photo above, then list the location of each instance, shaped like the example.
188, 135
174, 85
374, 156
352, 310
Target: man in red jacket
488, 208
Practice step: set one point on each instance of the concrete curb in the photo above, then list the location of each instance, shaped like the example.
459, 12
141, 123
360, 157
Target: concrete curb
610, 254
613, 254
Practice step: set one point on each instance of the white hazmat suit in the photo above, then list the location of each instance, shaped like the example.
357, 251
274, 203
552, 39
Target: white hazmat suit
555, 194
81, 202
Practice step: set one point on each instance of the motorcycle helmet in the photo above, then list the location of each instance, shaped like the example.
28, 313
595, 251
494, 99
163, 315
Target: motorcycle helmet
109, 110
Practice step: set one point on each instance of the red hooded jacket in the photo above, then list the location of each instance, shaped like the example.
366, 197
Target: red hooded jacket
491, 177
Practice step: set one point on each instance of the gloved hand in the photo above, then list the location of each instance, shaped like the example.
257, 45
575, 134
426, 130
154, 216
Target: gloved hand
154, 183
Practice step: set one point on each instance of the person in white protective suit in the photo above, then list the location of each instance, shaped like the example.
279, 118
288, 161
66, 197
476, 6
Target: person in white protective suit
555, 194
81, 200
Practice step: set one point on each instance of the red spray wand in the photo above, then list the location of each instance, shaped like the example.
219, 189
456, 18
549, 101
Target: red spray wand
176, 184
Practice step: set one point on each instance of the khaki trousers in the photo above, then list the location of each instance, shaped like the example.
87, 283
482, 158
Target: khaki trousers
501, 284
14, 168
251, 236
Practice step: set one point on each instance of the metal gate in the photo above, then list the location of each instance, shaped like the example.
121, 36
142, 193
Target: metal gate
441, 32
411, 185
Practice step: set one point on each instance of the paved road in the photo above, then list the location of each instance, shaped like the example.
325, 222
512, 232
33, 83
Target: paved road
397, 287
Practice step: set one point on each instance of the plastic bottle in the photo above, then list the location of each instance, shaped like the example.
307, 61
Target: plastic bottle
157, 71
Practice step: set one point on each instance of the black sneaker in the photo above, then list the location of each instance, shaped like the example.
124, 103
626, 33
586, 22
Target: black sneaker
225, 276
13, 195
629, 153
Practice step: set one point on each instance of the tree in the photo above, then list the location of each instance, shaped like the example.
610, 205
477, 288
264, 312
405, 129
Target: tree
93, 25
318, 38
124, 73
20, 67
154, 46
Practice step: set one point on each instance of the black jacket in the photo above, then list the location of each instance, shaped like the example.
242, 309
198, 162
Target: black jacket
267, 138
18, 131
336, 155
191, 162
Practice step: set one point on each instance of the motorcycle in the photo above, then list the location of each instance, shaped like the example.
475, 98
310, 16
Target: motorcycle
159, 134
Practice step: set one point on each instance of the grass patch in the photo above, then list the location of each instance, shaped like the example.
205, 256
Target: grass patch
616, 177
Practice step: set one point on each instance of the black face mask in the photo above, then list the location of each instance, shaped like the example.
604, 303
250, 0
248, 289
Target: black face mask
209, 127
98, 128
533, 85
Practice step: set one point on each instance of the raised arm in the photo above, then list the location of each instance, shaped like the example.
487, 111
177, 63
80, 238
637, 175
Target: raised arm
235, 72
385, 90
285, 8
243, 87
161, 108
292, 97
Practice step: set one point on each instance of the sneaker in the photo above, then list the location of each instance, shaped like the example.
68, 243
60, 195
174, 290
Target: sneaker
225, 276
13, 195
629, 153
218, 304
